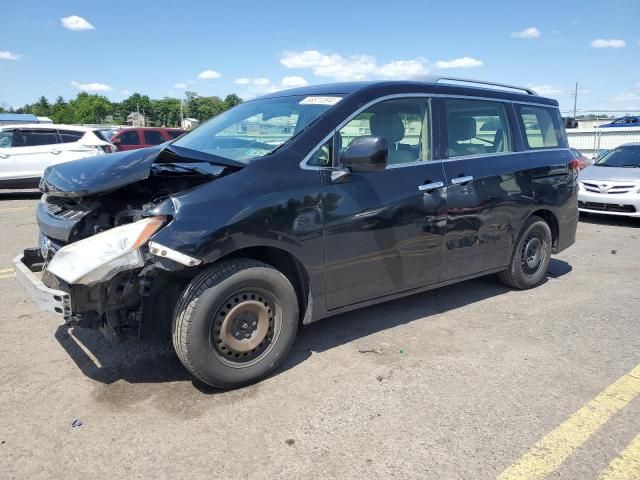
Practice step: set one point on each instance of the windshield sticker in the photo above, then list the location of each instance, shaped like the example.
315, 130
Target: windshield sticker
320, 100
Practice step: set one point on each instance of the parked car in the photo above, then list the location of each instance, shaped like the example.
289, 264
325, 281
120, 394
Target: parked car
134, 138
584, 161
246, 229
611, 185
628, 121
26, 150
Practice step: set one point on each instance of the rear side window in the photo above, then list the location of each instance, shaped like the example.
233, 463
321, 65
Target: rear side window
542, 127
153, 137
477, 127
69, 136
129, 138
174, 133
34, 138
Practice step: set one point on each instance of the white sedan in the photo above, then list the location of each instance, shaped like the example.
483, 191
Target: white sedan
26, 150
612, 184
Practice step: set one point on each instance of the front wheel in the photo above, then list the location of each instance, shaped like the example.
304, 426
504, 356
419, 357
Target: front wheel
531, 256
235, 323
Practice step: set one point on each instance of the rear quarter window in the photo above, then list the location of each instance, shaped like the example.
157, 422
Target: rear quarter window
542, 127
70, 136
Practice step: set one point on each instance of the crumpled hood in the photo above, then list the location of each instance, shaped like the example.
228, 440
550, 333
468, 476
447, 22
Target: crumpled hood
102, 173
610, 173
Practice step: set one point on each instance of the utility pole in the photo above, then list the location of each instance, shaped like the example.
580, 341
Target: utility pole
575, 101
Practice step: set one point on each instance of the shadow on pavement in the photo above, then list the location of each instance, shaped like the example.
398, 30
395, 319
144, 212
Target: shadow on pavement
154, 361
613, 220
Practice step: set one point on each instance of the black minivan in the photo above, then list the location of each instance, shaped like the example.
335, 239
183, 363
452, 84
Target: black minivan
299, 205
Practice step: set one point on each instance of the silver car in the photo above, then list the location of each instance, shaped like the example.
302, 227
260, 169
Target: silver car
612, 184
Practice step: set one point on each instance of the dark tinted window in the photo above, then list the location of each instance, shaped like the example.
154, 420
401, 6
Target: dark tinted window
174, 133
153, 137
34, 138
69, 136
477, 127
129, 138
543, 127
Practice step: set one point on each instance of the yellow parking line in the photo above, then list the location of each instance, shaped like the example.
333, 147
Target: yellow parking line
547, 455
10, 275
5, 270
625, 466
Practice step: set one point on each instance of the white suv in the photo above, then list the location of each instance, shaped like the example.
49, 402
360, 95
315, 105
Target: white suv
26, 150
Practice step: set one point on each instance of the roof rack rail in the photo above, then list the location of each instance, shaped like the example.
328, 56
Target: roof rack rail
529, 91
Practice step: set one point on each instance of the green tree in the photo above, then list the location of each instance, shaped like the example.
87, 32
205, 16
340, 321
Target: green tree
41, 108
88, 108
231, 101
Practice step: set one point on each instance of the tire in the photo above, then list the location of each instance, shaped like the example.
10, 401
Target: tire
235, 323
530, 259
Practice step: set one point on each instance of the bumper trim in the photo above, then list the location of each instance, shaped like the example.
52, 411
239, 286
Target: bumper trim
49, 299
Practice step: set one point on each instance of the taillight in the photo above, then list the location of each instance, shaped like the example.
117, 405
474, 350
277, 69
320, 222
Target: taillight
576, 165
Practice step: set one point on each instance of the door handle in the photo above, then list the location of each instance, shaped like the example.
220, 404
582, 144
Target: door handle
55, 151
461, 180
428, 187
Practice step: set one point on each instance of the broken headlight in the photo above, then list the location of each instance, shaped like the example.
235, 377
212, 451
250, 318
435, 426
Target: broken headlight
98, 258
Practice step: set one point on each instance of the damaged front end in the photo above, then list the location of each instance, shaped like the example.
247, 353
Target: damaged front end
99, 265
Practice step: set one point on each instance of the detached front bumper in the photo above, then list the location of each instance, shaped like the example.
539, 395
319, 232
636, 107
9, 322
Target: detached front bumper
48, 299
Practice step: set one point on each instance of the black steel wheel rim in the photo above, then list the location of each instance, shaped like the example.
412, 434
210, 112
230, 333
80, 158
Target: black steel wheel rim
245, 327
532, 254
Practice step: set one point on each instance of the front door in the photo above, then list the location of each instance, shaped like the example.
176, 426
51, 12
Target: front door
489, 186
384, 231
34, 150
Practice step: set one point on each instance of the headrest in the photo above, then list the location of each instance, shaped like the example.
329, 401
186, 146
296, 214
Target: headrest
461, 128
388, 125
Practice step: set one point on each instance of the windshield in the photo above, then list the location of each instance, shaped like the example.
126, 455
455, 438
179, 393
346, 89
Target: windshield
255, 129
621, 157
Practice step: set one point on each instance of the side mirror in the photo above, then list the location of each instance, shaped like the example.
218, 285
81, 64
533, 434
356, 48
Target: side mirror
366, 154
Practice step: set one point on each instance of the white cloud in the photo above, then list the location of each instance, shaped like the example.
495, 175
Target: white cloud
76, 23
463, 62
91, 87
355, 67
293, 81
180, 85
208, 75
528, 33
608, 43
628, 100
7, 55
242, 81
261, 82
404, 69
545, 90
126, 92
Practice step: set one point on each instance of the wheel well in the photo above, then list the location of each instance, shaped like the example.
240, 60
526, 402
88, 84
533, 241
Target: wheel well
285, 263
552, 221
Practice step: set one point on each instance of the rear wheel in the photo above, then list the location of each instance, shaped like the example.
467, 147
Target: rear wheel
531, 256
235, 323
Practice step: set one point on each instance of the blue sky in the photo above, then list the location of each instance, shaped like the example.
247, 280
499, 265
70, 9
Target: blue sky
253, 47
